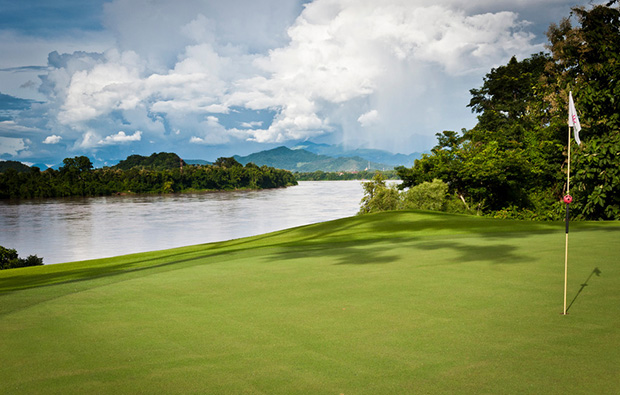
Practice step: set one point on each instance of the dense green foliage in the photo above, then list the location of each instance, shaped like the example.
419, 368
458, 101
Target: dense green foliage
10, 260
11, 164
320, 175
513, 163
433, 195
157, 161
378, 196
78, 178
389, 303
587, 60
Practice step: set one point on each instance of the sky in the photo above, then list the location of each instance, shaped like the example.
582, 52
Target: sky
211, 78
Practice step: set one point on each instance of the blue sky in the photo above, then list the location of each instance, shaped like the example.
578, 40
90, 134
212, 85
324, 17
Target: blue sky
207, 78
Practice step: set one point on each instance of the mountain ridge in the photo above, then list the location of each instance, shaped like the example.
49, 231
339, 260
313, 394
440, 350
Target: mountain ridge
303, 161
369, 154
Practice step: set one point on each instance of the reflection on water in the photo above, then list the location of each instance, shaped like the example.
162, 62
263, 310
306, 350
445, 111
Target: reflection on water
71, 229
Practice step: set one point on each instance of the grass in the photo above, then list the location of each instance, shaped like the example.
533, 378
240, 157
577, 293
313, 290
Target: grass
400, 302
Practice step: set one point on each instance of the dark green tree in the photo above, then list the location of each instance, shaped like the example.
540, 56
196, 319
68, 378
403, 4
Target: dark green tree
587, 61
157, 161
227, 163
11, 164
504, 102
77, 164
10, 260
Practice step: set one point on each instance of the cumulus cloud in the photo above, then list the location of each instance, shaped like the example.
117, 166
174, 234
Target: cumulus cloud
121, 138
369, 118
359, 71
53, 139
346, 56
212, 132
348, 53
12, 146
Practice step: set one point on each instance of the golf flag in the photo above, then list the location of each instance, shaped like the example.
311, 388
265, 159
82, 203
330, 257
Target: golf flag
573, 119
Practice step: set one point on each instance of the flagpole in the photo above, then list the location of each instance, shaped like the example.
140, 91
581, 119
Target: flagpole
573, 121
567, 200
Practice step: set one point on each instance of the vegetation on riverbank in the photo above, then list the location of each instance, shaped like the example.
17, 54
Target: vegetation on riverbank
9, 259
435, 195
159, 173
320, 175
391, 302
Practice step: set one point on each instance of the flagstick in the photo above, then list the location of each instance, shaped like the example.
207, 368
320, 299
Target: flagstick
566, 262
567, 219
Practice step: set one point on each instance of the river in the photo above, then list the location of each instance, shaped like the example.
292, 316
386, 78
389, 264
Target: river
74, 229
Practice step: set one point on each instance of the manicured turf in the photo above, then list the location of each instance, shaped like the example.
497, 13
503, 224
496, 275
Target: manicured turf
401, 302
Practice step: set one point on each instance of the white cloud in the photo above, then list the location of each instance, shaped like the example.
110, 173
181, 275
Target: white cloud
89, 139
120, 138
212, 132
53, 139
13, 129
197, 140
344, 52
23, 49
369, 118
12, 146
107, 86
209, 139
251, 125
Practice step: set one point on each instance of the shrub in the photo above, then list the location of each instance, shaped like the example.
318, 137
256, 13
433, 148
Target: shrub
425, 196
378, 196
10, 260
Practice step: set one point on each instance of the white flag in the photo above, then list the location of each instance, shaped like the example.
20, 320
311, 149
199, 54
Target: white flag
573, 119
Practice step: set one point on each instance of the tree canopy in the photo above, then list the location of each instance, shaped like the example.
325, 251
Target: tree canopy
157, 161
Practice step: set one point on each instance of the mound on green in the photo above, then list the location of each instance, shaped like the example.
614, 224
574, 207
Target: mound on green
396, 302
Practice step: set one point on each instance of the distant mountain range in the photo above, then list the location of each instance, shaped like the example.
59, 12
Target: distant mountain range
309, 157
304, 161
373, 155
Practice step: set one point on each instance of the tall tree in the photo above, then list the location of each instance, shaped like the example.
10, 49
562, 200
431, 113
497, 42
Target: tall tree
587, 61
504, 102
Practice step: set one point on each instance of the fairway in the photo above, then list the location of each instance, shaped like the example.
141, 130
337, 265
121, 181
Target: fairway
389, 303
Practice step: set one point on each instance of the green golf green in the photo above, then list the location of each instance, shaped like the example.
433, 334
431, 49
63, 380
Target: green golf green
395, 302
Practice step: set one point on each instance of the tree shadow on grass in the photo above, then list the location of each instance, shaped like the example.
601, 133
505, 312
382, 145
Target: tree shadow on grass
369, 252
44, 276
414, 224
46, 279
107, 274
353, 240
342, 253
494, 253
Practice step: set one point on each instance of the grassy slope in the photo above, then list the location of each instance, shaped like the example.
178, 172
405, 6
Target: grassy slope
402, 302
